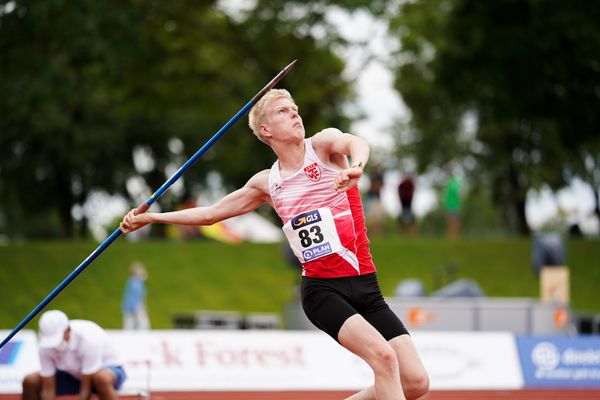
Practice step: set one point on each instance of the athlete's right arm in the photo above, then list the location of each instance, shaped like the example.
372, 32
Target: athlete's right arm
254, 194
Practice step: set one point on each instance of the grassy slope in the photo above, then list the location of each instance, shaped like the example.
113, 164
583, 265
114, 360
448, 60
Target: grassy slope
246, 277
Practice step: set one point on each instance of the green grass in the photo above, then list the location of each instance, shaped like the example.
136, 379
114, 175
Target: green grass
186, 276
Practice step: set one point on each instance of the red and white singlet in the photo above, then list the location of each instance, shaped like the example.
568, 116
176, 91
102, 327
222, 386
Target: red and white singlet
325, 229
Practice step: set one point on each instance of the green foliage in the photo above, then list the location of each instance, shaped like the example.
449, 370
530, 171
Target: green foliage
206, 275
526, 71
60, 65
85, 83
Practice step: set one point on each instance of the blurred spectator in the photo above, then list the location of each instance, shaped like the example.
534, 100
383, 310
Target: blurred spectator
575, 230
406, 190
547, 249
135, 315
452, 205
374, 208
76, 357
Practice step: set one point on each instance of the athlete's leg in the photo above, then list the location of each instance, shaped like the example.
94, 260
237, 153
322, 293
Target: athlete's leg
365, 394
377, 313
361, 338
32, 385
414, 378
103, 382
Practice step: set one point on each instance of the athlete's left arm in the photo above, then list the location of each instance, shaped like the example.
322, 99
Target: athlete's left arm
334, 146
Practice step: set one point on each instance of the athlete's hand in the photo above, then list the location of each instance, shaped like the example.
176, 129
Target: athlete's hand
132, 222
346, 179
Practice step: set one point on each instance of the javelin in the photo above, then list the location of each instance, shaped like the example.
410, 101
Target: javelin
142, 208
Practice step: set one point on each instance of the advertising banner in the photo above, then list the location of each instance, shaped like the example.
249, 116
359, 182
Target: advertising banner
470, 360
199, 360
557, 361
305, 360
18, 357
238, 360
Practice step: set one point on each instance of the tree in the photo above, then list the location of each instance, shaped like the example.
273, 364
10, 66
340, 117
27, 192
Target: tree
59, 68
85, 83
585, 164
526, 71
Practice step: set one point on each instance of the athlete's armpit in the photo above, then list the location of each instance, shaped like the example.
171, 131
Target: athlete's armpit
248, 198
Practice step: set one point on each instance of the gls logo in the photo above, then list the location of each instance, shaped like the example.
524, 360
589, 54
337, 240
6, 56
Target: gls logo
306, 218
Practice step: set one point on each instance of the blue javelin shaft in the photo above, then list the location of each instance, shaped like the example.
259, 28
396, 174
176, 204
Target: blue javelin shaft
146, 205
63, 284
161, 190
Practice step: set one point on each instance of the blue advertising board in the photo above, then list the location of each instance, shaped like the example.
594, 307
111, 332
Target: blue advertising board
8, 353
560, 361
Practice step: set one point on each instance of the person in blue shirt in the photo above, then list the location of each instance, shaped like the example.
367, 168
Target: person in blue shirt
135, 315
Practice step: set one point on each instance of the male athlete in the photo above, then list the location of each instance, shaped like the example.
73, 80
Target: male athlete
314, 191
77, 357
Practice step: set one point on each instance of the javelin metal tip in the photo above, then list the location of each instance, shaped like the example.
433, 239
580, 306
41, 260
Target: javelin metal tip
290, 65
273, 82
286, 69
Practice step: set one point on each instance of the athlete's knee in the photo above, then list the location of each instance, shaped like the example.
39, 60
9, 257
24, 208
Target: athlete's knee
31, 381
385, 360
103, 382
32, 385
416, 386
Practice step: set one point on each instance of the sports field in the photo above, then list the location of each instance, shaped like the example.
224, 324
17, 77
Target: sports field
546, 394
185, 276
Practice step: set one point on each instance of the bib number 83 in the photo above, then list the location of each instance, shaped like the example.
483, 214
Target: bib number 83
310, 236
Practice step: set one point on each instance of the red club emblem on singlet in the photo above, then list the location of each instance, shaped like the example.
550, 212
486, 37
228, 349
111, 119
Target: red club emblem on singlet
313, 172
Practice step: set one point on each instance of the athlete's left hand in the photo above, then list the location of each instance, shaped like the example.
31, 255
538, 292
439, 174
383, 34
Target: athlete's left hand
346, 179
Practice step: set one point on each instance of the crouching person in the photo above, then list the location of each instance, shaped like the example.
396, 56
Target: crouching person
76, 357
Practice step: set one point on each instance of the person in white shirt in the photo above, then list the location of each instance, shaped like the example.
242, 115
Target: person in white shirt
76, 357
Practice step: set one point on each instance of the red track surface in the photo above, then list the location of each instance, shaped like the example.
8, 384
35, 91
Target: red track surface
434, 395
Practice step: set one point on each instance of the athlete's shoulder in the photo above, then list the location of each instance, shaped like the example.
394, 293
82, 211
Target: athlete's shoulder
260, 181
85, 327
326, 135
323, 141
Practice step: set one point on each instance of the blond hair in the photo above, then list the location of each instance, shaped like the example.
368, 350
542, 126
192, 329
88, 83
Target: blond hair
259, 110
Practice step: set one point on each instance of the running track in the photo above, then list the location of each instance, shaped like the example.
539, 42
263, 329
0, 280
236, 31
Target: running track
558, 394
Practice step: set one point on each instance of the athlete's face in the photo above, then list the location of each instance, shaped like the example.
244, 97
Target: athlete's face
282, 120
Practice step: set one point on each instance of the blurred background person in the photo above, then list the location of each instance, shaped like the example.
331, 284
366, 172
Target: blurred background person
452, 204
135, 315
406, 190
76, 357
375, 214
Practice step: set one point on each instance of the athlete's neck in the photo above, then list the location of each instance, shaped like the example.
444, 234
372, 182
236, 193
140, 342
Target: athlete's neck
291, 158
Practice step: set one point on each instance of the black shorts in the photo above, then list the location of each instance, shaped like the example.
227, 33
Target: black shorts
329, 302
67, 384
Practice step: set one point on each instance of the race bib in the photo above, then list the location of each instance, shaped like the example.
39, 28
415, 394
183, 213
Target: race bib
312, 234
